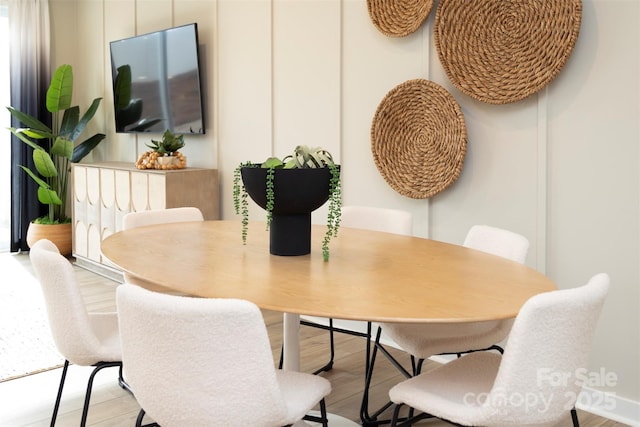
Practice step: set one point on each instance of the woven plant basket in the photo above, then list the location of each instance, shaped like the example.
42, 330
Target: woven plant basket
419, 138
499, 51
398, 18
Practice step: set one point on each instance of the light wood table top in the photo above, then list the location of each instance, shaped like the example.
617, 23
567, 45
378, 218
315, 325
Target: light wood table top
370, 275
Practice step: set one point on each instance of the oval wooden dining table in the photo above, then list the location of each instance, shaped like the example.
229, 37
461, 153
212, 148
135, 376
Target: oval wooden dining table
370, 275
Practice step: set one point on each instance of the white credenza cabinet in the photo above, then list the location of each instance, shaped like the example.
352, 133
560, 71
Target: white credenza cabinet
104, 192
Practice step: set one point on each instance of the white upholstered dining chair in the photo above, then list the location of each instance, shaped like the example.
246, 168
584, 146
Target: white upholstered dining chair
159, 216
386, 220
424, 340
550, 339
208, 362
81, 337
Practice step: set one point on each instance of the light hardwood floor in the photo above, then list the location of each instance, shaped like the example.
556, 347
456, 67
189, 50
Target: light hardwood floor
28, 401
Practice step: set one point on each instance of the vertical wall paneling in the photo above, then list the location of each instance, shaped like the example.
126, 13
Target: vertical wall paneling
306, 77
119, 22
593, 204
422, 223
202, 150
89, 76
244, 99
540, 236
372, 65
64, 42
306, 74
151, 16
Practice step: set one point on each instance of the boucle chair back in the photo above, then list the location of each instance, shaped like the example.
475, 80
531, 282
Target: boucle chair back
69, 321
537, 380
154, 217
377, 219
547, 354
198, 361
161, 216
85, 339
497, 241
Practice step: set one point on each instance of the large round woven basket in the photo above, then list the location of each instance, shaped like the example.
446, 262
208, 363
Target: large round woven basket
419, 138
398, 18
499, 51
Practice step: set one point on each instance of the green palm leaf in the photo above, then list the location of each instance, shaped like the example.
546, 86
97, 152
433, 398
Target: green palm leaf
60, 90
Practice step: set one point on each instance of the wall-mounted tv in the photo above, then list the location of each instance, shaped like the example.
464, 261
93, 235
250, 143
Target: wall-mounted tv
157, 82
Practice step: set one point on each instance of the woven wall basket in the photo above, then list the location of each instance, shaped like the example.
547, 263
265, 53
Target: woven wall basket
419, 138
398, 18
499, 51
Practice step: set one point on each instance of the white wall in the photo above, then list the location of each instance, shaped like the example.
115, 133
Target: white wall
560, 167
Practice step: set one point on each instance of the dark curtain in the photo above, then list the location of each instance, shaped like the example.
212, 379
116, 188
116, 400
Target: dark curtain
30, 73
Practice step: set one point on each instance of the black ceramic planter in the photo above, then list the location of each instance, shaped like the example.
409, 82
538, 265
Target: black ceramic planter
297, 193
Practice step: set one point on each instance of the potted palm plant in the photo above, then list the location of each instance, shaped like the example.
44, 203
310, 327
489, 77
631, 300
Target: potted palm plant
289, 190
54, 149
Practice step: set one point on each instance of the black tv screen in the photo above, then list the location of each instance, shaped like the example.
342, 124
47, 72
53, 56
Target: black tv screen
157, 83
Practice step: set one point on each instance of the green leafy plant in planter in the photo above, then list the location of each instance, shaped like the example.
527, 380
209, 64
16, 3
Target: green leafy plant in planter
164, 153
53, 157
302, 157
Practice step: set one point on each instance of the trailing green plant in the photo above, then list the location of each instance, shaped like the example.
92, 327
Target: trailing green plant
55, 148
241, 199
302, 157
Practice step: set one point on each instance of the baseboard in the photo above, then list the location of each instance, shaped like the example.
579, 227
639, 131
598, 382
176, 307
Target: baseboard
609, 405
101, 269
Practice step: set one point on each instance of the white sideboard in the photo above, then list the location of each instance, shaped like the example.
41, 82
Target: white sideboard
104, 192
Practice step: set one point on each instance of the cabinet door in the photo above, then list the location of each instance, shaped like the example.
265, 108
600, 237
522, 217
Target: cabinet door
123, 201
104, 193
157, 191
139, 191
107, 201
94, 209
80, 211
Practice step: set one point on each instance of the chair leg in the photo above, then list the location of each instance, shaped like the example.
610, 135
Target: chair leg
364, 405
574, 418
121, 381
329, 365
367, 418
368, 348
396, 412
372, 419
319, 419
323, 413
332, 330
59, 397
99, 366
141, 415
140, 418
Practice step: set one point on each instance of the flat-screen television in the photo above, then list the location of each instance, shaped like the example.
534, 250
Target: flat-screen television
157, 82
